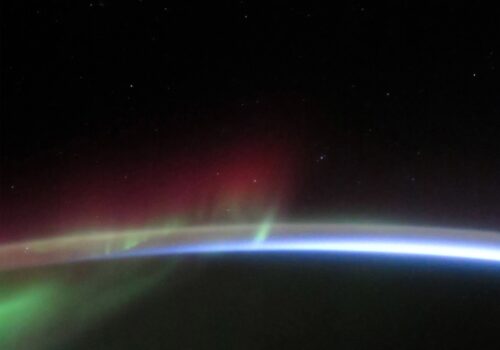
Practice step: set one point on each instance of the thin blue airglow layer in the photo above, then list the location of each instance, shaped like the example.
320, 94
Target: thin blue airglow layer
458, 250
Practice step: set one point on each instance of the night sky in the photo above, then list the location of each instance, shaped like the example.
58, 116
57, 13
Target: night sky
120, 113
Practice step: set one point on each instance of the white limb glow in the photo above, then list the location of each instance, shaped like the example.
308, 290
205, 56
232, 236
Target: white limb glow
458, 250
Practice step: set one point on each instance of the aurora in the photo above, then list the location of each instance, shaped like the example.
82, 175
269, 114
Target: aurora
266, 237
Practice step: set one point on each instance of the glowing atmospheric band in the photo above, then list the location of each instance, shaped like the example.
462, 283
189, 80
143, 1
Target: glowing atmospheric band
255, 238
411, 248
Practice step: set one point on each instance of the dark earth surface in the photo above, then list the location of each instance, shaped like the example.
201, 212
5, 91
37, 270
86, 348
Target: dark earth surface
299, 302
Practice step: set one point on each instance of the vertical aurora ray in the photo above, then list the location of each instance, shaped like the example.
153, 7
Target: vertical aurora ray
264, 230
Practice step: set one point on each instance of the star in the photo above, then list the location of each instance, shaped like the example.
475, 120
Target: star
321, 158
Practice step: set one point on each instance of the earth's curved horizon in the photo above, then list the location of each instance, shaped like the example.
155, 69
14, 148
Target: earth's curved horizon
263, 237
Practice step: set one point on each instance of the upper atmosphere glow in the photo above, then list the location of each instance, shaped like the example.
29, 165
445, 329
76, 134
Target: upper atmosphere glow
267, 236
431, 249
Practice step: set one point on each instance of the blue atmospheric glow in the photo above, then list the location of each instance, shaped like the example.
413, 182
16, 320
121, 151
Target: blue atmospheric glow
456, 250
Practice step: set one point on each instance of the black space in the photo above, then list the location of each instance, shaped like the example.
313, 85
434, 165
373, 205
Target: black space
395, 104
